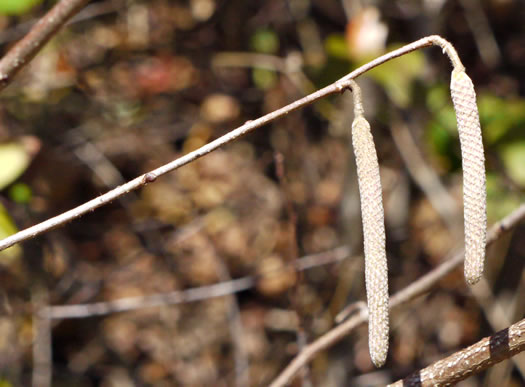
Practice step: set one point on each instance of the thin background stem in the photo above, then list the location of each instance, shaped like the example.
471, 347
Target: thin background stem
42, 348
32, 43
295, 294
189, 295
91, 11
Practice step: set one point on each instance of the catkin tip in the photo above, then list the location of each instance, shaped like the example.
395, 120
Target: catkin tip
472, 280
378, 359
473, 273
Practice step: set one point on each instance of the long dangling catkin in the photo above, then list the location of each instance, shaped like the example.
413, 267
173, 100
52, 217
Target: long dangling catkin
474, 184
376, 270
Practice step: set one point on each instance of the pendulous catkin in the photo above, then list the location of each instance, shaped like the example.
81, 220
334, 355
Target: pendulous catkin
376, 270
474, 184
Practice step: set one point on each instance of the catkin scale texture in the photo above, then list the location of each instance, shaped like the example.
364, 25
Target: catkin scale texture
376, 270
474, 183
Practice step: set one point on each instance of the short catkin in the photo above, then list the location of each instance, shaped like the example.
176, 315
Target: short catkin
474, 183
376, 270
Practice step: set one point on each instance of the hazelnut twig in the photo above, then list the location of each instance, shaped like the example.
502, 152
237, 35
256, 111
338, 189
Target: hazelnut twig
336, 87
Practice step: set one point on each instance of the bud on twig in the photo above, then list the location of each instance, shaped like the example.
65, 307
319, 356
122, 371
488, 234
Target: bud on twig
376, 270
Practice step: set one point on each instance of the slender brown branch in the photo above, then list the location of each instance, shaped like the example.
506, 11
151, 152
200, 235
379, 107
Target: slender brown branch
334, 88
469, 361
151, 176
412, 291
30, 45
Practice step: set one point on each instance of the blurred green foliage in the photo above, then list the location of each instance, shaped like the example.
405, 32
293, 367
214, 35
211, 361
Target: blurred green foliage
14, 160
263, 78
501, 199
502, 121
8, 227
20, 193
336, 47
513, 156
501, 118
397, 76
17, 7
265, 41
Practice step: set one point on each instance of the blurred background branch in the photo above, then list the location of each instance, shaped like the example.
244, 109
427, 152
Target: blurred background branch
47, 26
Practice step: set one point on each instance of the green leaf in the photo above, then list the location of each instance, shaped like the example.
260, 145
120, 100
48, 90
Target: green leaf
14, 160
17, 7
